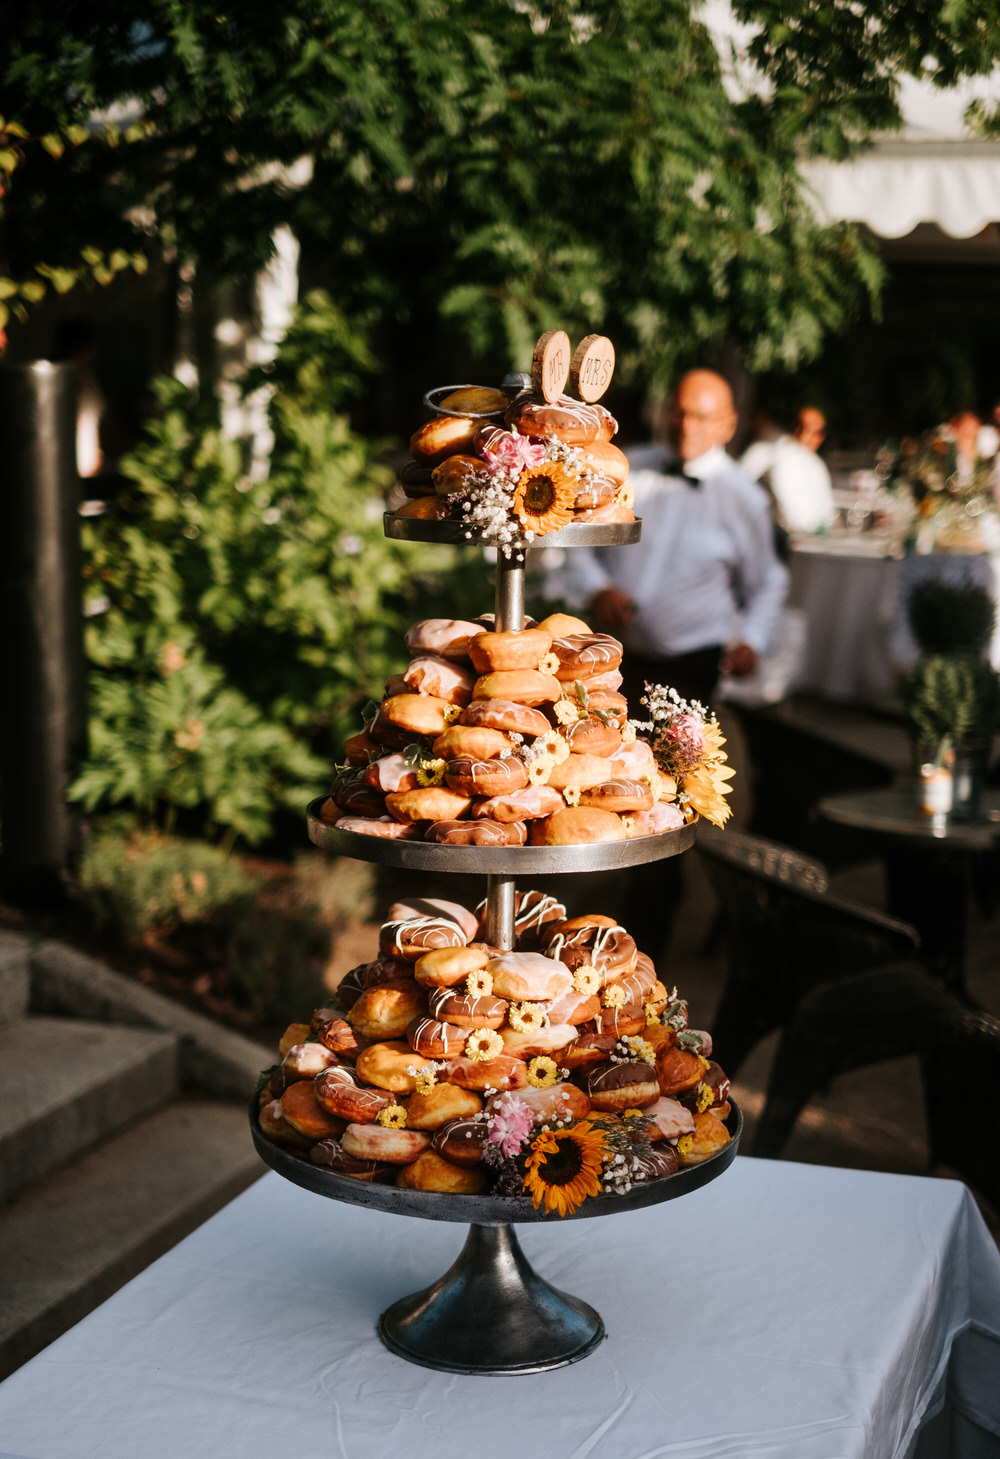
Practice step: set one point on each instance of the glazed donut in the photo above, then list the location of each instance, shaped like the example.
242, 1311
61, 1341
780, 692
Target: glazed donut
657, 1163
303, 1112
708, 1138
626, 797
587, 1051
663, 816
523, 686
441, 1104
358, 797
562, 625
426, 508
392, 1065
533, 911
582, 655
574, 422
432, 1172
479, 742
385, 826
435, 907
577, 826
637, 984
610, 703
295, 1033
369, 975
446, 637
390, 773
477, 833
331, 1155
461, 1140
445, 967
678, 1070
529, 977
380, 1142
670, 1118
617, 1087
433, 1039
604, 459
503, 1072
592, 736
595, 491
558, 1102
305, 1061
417, 714
411, 937
497, 776
439, 677
504, 714
615, 511
608, 682
466, 1009
340, 1093
458, 473
638, 760
583, 771
575, 1008
274, 1126
427, 803
416, 479
526, 804
386, 1011
514, 649
334, 1033
622, 1022
359, 748
548, 1040
444, 435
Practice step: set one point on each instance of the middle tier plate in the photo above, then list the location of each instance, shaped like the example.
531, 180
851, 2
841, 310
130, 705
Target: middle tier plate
497, 860
574, 534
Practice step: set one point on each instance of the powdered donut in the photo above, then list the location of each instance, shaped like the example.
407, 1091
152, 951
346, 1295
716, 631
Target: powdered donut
438, 676
504, 714
467, 1010
581, 655
520, 805
528, 976
447, 637
475, 740
429, 803
620, 794
523, 686
513, 649
434, 1039
410, 938
378, 1142
391, 773
433, 1172
435, 907
386, 826
574, 422
497, 776
444, 435
477, 833
577, 826
663, 816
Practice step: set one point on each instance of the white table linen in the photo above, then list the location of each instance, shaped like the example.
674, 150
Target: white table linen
782, 1312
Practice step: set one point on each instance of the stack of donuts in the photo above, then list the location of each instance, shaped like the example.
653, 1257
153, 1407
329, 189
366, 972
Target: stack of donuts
397, 1082
504, 739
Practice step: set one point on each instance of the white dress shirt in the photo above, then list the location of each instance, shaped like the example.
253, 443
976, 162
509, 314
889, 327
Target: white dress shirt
706, 552
799, 480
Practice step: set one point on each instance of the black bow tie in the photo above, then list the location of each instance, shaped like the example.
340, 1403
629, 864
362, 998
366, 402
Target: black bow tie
694, 481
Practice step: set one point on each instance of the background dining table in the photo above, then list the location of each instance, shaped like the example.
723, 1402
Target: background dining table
783, 1311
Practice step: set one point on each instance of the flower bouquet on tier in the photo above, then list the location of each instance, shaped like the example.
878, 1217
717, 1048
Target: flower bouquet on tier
687, 744
950, 505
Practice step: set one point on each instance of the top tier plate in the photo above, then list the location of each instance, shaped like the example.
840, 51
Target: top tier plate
577, 534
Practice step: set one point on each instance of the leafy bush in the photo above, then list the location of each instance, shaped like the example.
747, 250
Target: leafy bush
952, 700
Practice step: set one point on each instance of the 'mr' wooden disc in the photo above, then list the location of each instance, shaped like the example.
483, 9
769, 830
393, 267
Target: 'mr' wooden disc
550, 364
591, 367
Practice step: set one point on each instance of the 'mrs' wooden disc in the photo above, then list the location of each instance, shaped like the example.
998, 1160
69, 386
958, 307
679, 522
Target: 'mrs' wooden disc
550, 364
591, 367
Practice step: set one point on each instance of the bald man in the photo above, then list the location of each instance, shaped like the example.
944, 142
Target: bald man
702, 591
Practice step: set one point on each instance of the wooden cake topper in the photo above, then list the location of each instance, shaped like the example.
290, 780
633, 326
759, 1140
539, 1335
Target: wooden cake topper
591, 367
550, 364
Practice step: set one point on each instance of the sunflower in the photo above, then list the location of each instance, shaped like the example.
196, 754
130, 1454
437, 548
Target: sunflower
542, 1072
479, 984
544, 497
482, 1045
564, 1168
393, 1117
705, 786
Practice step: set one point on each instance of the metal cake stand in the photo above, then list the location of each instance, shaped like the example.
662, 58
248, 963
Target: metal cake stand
491, 1312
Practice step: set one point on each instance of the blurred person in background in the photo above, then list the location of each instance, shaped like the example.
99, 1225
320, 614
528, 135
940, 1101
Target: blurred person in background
796, 476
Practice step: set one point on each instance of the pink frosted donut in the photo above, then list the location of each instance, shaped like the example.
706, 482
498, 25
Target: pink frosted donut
386, 826
504, 714
670, 1117
477, 833
665, 816
434, 1039
638, 759
503, 1072
433, 674
520, 805
305, 1061
529, 976
582, 655
435, 907
390, 773
626, 797
446, 637
547, 1040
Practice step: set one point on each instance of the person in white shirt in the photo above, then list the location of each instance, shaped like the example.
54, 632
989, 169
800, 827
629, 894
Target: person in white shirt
706, 554
796, 475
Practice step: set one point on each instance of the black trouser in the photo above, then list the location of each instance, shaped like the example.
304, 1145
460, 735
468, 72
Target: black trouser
694, 675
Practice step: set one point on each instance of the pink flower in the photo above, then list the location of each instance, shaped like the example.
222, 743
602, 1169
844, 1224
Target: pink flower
509, 1124
688, 734
514, 453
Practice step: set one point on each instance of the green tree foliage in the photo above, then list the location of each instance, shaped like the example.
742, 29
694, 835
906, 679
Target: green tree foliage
480, 165
235, 623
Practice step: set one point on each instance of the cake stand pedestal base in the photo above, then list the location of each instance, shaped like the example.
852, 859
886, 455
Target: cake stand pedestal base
491, 1313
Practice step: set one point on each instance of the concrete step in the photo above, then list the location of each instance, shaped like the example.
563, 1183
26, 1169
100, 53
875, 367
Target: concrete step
69, 1242
15, 977
66, 1084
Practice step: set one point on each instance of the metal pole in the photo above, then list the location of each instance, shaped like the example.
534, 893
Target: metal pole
43, 706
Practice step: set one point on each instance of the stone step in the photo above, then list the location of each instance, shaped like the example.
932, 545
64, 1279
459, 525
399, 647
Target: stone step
69, 1242
66, 1084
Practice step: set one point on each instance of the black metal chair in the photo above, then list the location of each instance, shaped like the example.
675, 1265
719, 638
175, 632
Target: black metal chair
888, 1013
785, 934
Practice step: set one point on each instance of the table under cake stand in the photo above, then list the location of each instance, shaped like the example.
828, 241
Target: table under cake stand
491, 1312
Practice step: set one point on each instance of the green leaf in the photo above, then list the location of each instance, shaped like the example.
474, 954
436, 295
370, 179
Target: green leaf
33, 290
8, 160
7, 287
53, 144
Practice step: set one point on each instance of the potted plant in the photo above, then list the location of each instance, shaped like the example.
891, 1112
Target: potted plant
952, 703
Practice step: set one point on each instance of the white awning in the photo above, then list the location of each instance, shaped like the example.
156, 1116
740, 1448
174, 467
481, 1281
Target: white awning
897, 185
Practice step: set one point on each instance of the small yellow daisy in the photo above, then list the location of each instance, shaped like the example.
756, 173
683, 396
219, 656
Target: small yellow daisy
705, 1099
614, 996
479, 984
482, 1045
426, 1080
527, 1017
393, 1117
571, 795
548, 664
565, 711
452, 712
540, 769
586, 980
542, 1072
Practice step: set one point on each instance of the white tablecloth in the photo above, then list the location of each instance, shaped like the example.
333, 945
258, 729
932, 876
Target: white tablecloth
850, 606
782, 1312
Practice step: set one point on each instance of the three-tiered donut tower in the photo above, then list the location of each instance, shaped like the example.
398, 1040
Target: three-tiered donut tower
491, 1313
